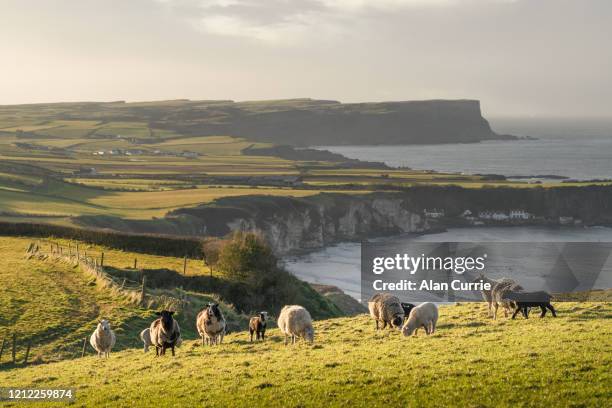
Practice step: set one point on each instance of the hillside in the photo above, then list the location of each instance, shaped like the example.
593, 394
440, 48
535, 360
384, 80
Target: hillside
298, 122
469, 361
54, 305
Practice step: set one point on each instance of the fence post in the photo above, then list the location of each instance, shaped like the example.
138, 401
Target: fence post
102, 260
14, 347
143, 290
84, 347
185, 265
135, 262
77, 251
2, 348
25, 359
123, 283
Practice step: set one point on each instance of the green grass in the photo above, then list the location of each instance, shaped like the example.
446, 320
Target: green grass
56, 305
470, 361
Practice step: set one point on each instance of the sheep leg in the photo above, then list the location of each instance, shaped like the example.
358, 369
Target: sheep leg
173, 350
222, 335
384, 324
376, 324
202, 341
433, 327
286, 339
490, 308
543, 309
526, 312
251, 333
495, 307
552, 309
293, 339
263, 335
518, 309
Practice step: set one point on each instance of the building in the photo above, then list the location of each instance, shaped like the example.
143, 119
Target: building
435, 213
519, 215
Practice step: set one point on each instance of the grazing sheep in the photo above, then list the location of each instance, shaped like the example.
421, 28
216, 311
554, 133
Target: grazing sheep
407, 309
211, 324
386, 308
165, 332
145, 336
525, 300
295, 321
494, 296
257, 325
424, 315
103, 339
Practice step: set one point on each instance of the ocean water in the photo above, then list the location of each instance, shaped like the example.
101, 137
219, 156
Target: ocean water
576, 157
339, 265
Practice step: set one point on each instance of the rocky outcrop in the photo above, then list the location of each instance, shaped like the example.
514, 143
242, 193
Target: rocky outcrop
291, 224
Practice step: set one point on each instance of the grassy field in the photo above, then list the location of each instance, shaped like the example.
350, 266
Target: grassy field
469, 361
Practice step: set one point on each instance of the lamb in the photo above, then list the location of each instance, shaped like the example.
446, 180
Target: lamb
424, 315
211, 324
295, 321
386, 308
145, 336
103, 339
165, 332
494, 296
257, 325
525, 300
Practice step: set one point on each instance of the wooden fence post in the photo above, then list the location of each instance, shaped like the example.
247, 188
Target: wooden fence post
135, 262
77, 251
14, 347
25, 359
143, 290
2, 348
84, 347
123, 283
102, 260
185, 265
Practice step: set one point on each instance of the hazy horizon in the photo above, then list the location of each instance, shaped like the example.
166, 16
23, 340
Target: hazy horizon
520, 58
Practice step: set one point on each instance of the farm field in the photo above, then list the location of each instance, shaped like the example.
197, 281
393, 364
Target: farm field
469, 361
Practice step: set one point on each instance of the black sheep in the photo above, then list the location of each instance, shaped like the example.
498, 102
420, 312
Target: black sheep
525, 300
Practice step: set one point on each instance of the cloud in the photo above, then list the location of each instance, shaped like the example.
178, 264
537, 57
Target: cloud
287, 22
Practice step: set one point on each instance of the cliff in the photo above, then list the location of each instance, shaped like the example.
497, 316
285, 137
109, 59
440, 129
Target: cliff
309, 122
291, 224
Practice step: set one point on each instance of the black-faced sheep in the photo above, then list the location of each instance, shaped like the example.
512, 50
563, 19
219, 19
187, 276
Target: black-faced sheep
103, 339
295, 321
211, 324
145, 336
407, 309
165, 332
424, 315
387, 309
257, 326
525, 300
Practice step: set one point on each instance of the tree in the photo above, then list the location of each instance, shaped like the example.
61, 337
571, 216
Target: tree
246, 257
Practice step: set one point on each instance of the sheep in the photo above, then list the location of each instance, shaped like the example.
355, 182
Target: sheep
494, 296
211, 324
525, 300
165, 332
424, 315
407, 308
386, 308
257, 325
103, 339
145, 336
295, 321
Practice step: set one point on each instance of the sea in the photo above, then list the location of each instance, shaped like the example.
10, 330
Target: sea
579, 150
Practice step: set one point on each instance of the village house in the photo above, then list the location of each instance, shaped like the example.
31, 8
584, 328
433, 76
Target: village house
435, 213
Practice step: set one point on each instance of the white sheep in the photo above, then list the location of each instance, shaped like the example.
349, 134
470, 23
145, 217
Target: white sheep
145, 336
103, 339
295, 321
424, 315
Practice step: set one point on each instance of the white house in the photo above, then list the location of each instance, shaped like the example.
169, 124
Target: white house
519, 215
435, 213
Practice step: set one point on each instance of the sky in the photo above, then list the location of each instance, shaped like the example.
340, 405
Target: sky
531, 58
